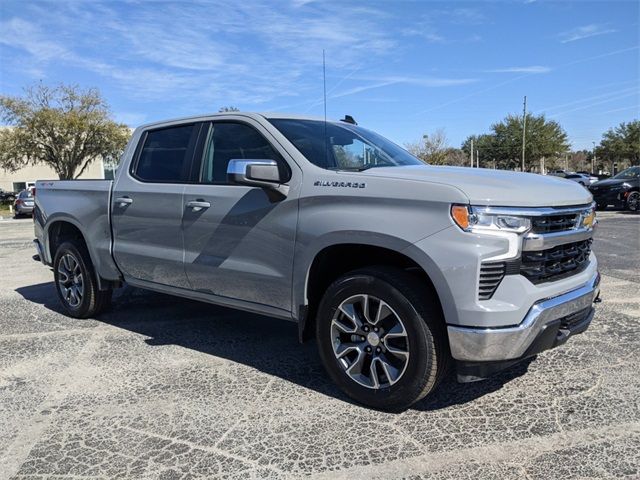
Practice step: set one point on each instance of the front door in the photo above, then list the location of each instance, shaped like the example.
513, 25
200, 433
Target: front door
147, 207
239, 240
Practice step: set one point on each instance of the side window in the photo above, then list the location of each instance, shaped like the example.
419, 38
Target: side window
229, 141
165, 154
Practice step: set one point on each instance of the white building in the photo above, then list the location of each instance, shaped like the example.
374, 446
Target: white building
27, 176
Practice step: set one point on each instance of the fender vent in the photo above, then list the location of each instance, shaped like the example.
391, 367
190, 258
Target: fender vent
491, 274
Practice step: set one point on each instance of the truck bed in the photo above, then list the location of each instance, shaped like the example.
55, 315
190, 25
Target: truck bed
84, 203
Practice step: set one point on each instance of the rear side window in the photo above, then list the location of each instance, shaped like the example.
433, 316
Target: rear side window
166, 155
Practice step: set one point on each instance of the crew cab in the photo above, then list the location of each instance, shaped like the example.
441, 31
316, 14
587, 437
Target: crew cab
400, 270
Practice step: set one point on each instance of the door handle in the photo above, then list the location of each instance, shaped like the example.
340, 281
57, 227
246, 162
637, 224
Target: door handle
197, 205
123, 201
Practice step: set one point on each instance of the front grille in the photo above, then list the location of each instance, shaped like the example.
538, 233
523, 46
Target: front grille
491, 274
553, 223
555, 263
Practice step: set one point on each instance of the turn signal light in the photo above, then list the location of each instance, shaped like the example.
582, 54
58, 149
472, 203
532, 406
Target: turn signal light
460, 215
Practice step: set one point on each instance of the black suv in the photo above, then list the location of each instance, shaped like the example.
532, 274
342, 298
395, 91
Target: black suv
622, 190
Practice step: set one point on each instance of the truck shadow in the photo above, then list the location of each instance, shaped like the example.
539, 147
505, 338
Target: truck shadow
266, 344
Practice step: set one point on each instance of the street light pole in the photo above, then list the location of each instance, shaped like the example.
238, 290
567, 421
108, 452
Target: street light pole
524, 128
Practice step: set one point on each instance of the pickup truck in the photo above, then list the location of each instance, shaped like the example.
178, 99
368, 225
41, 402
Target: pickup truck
401, 271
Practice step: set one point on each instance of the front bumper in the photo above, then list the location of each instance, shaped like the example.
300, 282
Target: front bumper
607, 197
549, 323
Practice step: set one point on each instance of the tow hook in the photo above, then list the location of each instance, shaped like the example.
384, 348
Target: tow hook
597, 299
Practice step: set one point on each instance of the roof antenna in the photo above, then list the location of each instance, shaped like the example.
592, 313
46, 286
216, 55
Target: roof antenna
324, 93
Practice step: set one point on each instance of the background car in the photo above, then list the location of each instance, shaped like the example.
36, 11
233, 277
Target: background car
621, 190
592, 177
6, 196
584, 180
23, 204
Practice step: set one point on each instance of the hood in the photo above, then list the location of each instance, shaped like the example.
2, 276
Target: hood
495, 187
609, 182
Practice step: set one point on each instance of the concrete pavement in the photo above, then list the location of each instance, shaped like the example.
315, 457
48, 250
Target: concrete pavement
162, 387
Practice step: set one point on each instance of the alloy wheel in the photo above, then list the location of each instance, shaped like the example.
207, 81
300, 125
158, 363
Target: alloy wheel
370, 341
70, 280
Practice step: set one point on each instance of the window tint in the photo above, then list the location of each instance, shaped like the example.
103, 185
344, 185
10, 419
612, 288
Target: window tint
229, 141
164, 155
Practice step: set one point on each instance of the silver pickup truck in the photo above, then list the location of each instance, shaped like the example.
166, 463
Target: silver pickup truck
400, 270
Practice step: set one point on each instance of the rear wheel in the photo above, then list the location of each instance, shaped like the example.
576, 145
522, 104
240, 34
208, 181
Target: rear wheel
381, 337
76, 282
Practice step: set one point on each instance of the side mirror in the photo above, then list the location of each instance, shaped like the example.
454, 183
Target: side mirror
254, 173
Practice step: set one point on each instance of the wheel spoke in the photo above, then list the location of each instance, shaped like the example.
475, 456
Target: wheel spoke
356, 367
396, 351
365, 308
397, 331
63, 277
373, 373
390, 371
350, 313
383, 312
344, 348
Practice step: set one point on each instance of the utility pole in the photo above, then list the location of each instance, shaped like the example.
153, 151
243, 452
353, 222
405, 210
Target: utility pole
472, 153
593, 159
477, 159
524, 128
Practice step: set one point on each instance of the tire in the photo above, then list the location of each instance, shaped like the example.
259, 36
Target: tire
601, 206
633, 202
406, 301
76, 282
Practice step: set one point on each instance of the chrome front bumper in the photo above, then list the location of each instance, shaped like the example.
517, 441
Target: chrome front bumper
470, 344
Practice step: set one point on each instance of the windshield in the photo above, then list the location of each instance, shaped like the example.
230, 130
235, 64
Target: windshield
629, 173
347, 147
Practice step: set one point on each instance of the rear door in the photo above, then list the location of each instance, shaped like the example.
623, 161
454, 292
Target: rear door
240, 243
147, 206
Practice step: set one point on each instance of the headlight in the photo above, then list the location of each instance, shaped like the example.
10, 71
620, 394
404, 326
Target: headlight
478, 219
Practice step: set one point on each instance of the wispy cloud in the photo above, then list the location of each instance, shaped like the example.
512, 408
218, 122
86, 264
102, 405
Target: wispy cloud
257, 51
585, 31
528, 69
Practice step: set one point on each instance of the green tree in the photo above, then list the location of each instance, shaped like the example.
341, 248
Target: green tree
230, 108
621, 144
483, 145
63, 127
544, 138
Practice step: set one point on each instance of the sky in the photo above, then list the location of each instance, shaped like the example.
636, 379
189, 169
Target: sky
402, 68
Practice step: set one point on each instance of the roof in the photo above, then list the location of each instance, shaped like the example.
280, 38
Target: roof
254, 115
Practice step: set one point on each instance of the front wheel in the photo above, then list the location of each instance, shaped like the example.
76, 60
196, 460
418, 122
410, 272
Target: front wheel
381, 337
633, 201
76, 283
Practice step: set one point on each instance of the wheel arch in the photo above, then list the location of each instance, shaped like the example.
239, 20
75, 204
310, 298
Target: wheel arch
333, 259
61, 228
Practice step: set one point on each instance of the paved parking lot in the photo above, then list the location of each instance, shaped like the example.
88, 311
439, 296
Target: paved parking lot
161, 387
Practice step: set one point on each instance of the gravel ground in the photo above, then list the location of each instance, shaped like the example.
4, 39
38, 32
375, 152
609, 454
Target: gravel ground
161, 387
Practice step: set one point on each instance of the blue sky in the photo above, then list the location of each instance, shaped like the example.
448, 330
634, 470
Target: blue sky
402, 68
